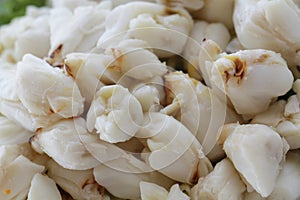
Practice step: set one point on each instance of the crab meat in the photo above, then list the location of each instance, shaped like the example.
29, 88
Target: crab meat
288, 182
222, 183
200, 110
115, 113
120, 172
175, 152
89, 71
151, 191
63, 142
76, 30
80, 184
251, 79
16, 177
124, 63
42, 187
216, 11
209, 52
49, 92
27, 34
272, 116
149, 22
8, 81
71, 4
290, 123
259, 25
234, 45
35, 39
12, 133
253, 196
203, 30
11, 105
257, 152
134, 59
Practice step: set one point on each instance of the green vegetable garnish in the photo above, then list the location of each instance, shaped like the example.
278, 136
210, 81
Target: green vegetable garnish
15, 8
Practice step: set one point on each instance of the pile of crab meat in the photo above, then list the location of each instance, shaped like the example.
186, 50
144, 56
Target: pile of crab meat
151, 100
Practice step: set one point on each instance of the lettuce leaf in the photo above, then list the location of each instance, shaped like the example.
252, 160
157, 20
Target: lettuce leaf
14, 8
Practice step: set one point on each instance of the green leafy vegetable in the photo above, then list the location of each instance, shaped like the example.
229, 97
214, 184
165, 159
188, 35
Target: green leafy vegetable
14, 8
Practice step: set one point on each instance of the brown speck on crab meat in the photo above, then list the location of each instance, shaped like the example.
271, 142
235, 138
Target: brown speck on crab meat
195, 177
262, 58
68, 71
56, 52
55, 59
7, 191
240, 67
